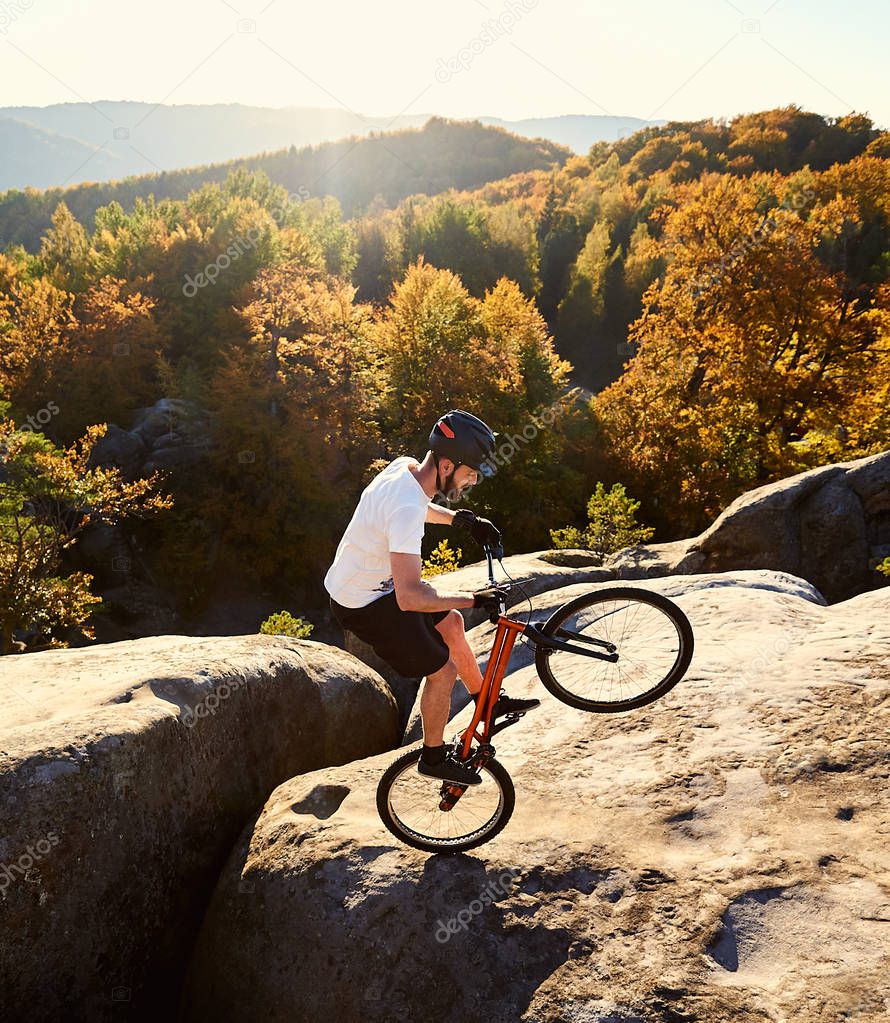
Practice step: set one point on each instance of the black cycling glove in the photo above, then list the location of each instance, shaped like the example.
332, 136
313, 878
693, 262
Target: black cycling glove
490, 598
482, 531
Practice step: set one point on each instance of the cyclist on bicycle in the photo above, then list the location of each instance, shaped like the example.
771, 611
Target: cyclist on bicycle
376, 590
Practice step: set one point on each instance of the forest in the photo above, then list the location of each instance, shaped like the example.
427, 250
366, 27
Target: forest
690, 312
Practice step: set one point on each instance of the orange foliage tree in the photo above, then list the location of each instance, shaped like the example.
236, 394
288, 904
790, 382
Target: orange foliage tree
751, 340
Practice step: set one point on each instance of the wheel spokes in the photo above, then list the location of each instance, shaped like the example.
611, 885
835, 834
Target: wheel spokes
414, 805
645, 637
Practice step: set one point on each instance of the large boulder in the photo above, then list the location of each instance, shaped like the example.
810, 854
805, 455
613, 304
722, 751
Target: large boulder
126, 773
121, 449
720, 855
830, 525
171, 434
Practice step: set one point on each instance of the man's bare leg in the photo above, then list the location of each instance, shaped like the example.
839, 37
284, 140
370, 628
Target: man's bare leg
435, 703
452, 629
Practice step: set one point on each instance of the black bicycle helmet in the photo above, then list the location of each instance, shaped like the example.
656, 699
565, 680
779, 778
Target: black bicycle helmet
464, 439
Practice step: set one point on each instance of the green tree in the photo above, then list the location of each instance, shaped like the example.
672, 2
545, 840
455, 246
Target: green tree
64, 251
612, 524
48, 496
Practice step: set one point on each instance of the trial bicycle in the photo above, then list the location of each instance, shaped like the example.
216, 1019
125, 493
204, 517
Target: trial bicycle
613, 649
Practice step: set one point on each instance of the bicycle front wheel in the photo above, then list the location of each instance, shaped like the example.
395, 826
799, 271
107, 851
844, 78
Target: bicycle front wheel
647, 636
409, 805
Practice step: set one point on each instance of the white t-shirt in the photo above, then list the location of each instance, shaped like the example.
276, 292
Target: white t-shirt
390, 516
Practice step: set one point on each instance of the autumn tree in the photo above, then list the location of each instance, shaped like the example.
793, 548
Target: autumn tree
36, 320
294, 407
48, 496
442, 349
93, 355
750, 341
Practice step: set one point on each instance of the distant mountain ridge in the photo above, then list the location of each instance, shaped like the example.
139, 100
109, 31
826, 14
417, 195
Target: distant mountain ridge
577, 131
71, 143
37, 156
355, 170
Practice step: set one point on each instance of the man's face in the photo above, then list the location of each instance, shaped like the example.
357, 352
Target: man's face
464, 478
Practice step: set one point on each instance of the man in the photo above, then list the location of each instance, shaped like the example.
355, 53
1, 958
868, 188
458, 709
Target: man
376, 590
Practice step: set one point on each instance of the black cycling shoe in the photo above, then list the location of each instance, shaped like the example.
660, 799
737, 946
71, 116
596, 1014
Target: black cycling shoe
449, 769
508, 705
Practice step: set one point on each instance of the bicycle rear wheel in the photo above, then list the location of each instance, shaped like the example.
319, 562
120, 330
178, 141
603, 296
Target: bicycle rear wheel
650, 635
408, 804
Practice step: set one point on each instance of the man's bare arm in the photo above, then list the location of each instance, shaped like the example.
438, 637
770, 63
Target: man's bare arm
441, 516
415, 594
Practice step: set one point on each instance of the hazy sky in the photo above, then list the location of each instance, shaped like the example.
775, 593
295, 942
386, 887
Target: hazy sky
513, 59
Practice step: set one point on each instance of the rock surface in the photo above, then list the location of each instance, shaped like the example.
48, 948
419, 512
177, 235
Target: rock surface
171, 433
830, 526
723, 854
126, 773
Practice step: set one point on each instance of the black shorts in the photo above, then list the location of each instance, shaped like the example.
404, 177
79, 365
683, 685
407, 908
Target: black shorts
407, 640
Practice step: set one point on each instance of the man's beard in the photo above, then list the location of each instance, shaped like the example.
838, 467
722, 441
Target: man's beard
448, 491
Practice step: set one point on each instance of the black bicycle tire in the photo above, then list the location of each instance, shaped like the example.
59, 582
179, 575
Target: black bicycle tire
411, 757
687, 643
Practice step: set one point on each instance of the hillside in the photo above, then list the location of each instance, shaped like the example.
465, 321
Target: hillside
127, 139
44, 158
141, 138
441, 155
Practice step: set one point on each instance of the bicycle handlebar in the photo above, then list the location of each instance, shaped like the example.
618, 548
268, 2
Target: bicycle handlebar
490, 553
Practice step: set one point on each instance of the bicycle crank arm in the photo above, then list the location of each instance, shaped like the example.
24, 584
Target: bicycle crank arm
505, 722
536, 636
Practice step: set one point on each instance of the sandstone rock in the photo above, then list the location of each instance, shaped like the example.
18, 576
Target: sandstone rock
126, 773
120, 448
482, 637
165, 419
570, 557
720, 855
828, 525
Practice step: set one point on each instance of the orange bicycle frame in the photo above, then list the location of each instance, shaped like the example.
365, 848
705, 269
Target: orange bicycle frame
504, 638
